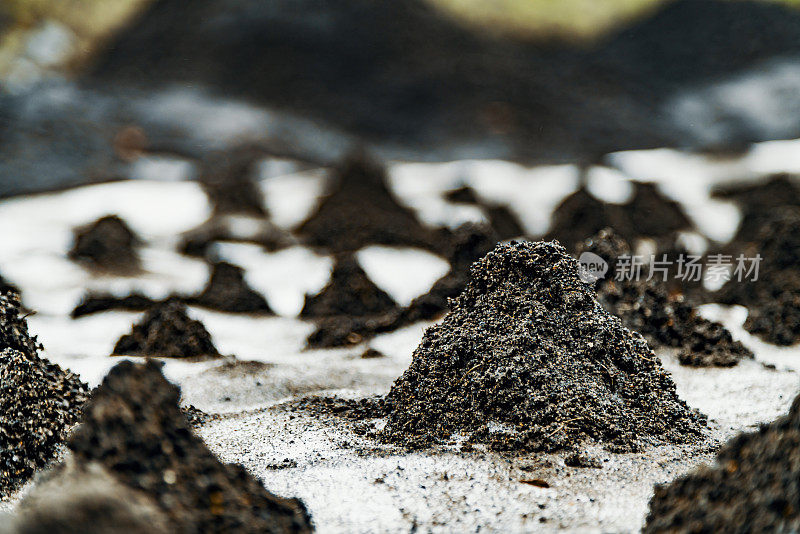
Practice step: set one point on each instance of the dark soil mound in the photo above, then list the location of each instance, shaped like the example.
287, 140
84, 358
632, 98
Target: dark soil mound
99, 302
350, 308
663, 317
228, 180
500, 218
648, 214
528, 359
754, 486
773, 301
758, 203
107, 244
652, 214
261, 232
361, 211
581, 215
135, 429
349, 292
228, 291
167, 332
39, 401
470, 243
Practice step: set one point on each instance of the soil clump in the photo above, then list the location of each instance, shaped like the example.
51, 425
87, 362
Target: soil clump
228, 291
663, 317
107, 245
233, 229
528, 359
350, 308
166, 331
133, 427
360, 210
228, 180
39, 401
773, 301
754, 486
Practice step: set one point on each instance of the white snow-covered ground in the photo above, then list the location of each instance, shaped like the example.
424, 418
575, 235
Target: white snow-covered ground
349, 483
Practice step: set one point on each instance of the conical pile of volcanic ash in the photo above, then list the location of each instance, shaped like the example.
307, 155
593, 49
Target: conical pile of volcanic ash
648, 214
134, 428
501, 219
773, 300
470, 243
166, 331
758, 203
753, 487
528, 359
107, 245
663, 317
228, 291
361, 210
350, 308
228, 179
39, 401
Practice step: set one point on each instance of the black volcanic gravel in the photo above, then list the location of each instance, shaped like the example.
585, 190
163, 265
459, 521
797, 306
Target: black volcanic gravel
227, 291
360, 210
166, 331
754, 486
773, 301
528, 359
108, 244
99, 302
39, 401
663, 317
134, 427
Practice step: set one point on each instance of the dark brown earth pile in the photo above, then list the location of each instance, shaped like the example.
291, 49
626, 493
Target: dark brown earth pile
39, 401
233, 229
469, 244
107, 244
350, 308
528, 359
361, 210
229, 181
99, 302
758, 203
135, 429
773, 301
753, 487
166, 331
652, 214
348, 292
499, 217
228, 291
648, 214
664, 318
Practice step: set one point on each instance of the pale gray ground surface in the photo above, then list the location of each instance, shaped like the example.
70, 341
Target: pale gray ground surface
351, 483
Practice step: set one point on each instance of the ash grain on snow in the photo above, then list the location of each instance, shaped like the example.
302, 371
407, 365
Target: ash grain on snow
528, 359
